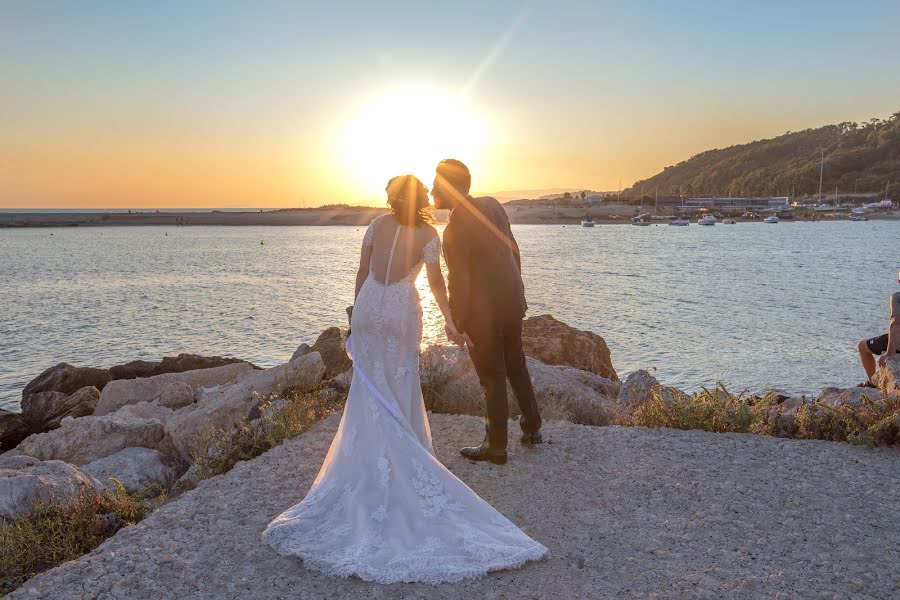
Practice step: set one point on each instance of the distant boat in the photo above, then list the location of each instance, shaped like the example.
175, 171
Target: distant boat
680, 221
707, 220
640, 222
589, 222
858, 217
771, 219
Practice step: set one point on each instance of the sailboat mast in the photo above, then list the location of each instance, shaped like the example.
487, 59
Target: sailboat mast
821, 170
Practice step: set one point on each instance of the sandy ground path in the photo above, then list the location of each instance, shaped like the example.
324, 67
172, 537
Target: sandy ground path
630, 513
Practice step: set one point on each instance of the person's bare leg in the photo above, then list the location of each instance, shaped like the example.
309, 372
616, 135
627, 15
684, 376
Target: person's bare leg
867, 359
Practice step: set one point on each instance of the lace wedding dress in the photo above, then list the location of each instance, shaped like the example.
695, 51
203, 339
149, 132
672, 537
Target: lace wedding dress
383, 507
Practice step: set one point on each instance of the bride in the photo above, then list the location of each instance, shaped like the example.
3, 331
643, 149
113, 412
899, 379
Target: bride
383, 507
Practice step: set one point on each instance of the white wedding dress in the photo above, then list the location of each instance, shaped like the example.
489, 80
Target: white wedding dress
382, 507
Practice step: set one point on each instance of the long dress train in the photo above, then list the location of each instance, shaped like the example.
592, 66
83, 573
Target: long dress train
383, 507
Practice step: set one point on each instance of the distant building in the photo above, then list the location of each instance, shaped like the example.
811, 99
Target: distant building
594, 199
753, 203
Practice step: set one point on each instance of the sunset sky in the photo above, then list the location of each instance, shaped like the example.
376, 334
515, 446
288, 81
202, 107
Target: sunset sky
126, 104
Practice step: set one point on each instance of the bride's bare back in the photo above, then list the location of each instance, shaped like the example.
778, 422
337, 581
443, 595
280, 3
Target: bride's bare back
410, 248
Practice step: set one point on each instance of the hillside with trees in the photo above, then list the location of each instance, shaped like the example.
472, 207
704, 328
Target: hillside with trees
859, 158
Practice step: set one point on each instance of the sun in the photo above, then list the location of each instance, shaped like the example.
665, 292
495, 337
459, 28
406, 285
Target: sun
408, 130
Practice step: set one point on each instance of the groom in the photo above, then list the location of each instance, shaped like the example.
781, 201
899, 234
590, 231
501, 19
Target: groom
487, 301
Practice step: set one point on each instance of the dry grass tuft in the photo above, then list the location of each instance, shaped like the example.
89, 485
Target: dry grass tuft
873, 422
55, 532
716, 410
214, 451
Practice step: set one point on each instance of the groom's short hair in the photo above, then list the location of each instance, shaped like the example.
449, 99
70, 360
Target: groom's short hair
456, 174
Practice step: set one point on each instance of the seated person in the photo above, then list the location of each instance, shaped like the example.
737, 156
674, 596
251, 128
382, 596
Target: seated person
884, 345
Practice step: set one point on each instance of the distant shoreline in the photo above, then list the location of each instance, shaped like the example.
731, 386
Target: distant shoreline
519, 214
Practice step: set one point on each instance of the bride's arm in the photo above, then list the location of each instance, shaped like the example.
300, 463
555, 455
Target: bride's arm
439, 287
365, 259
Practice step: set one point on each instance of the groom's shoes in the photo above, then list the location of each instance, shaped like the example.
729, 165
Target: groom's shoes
530, 439
484, 453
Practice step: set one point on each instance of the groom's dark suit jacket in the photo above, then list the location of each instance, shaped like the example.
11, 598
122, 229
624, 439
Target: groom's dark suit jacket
482, 257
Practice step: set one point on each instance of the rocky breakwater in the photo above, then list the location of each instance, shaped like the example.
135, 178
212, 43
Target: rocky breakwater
139, 432
65, 390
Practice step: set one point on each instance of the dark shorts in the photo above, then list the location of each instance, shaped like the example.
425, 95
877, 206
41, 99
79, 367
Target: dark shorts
877, 345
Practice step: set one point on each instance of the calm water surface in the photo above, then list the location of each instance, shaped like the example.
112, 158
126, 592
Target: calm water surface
753, 305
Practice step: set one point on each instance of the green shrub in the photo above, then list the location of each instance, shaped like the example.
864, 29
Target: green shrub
873, 422
52, 533
214, 451
716, 410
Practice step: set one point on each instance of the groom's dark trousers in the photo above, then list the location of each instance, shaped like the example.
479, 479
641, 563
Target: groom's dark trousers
487, 301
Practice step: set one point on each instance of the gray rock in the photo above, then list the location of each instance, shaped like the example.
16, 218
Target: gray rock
342, 382
176, 395
637, 389
84, 440
563, 397
450, 385
135, 468
147, 389
44, 410
16, 460
835, 397
21, 488
300, 351
602, 385
226, 407
888, 377
187, 481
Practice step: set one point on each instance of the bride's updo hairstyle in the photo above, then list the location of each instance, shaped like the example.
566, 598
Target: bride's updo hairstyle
408, 199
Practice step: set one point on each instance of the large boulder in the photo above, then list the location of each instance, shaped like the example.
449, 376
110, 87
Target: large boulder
601, 385
225, 407
25, 481
554, 343
13, 429
836, 397
563, 397
44, 410
134, 369
195, 362
331, 346
169, 364
67, 379
888, 377
84, 440
147, 389
135, 468
450, 385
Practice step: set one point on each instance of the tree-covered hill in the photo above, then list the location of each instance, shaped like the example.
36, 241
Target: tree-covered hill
859, 157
